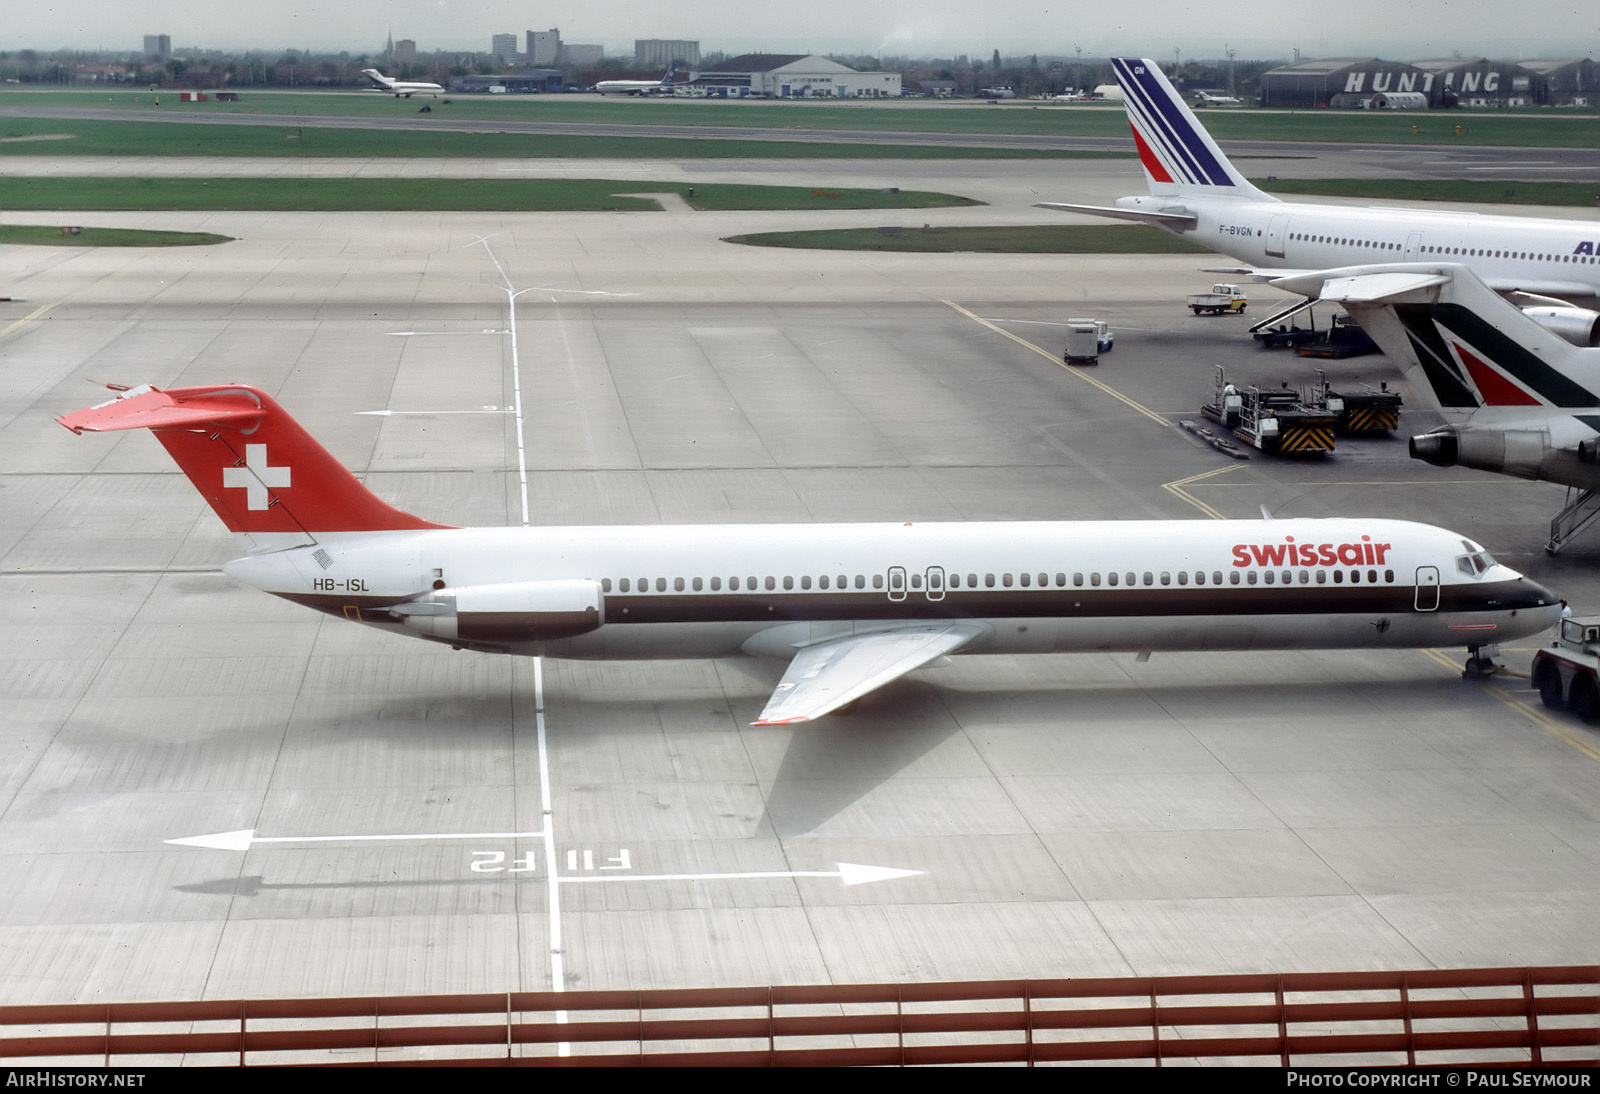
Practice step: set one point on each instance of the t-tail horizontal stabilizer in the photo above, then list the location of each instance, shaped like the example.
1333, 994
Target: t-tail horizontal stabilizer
261, 472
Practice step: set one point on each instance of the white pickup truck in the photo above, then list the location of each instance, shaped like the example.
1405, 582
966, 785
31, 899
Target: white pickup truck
1221, 298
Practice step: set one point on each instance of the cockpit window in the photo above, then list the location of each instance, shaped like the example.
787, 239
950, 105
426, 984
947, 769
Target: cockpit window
1475, 564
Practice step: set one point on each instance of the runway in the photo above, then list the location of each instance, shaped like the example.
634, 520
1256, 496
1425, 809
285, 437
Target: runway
407, 819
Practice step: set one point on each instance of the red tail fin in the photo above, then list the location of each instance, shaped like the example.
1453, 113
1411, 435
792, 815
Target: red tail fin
259, 469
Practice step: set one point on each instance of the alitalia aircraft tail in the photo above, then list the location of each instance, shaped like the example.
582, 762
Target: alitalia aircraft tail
261, 472
1520, 397
1483, 358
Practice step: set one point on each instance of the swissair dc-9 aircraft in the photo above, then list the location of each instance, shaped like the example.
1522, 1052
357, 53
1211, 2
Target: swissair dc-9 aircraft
1195, 193
849, 606
401, 88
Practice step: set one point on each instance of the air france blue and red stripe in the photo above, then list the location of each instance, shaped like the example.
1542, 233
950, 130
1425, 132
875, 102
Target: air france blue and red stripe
1173, 148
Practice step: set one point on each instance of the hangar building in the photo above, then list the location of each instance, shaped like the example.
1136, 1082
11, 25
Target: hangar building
1336, 81
1481, 82
793, 76
1568, 81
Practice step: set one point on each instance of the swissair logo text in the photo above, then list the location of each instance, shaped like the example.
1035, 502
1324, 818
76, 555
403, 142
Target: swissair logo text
1290, 553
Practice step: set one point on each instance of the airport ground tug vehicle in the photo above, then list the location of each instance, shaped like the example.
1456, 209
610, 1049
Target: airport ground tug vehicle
1566, 673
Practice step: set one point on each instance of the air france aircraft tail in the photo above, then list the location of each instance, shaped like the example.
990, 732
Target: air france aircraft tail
1518, 388
1181, 163
1178, 156
261, 472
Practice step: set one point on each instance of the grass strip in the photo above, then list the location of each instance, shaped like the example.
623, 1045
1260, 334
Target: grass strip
40, 235
1023, 239
91, 137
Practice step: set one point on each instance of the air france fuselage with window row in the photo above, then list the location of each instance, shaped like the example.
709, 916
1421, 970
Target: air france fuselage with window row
1195, 192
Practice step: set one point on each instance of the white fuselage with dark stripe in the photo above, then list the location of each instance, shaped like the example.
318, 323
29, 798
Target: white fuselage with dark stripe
711, 590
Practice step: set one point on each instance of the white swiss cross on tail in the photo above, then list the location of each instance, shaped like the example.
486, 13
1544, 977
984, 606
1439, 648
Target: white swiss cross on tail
255, 476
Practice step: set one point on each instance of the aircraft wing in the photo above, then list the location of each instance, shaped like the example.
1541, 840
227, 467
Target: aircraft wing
1558, 292
1362, 287
1143, 216
826, 676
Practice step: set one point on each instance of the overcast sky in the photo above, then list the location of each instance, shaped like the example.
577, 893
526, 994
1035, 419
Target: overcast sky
1151, 28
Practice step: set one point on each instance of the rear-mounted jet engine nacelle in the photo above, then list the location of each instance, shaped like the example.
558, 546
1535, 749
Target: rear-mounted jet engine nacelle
1518, 452
1580, 326
522, 611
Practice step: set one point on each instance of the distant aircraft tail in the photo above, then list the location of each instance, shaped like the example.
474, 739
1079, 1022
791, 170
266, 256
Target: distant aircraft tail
258, 468
1179, 157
